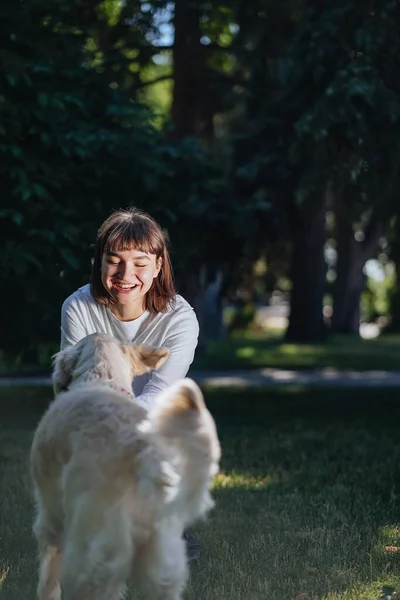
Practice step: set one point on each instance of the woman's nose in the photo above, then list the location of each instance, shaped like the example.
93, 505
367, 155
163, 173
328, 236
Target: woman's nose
126, 271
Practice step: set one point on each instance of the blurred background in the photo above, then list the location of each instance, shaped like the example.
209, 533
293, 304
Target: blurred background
262, 135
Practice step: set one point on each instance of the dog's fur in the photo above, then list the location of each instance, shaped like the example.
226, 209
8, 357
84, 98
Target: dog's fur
115, 486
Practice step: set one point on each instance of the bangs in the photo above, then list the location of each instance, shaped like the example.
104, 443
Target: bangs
134, 236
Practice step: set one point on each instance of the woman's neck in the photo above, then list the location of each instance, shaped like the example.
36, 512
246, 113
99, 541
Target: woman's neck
128, 312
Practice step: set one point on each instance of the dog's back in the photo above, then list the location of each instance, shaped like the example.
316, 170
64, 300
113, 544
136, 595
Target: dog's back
115, 485
91, 423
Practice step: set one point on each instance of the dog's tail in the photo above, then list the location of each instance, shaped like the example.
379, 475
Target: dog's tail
182, 419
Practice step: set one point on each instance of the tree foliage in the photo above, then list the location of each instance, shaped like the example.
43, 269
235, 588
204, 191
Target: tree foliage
268, 110
73, 148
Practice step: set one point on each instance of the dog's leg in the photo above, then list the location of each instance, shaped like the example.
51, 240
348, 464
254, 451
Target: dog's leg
102, 577
49, 578
95, 582
160, 566
87, 591
98, 551
50, 563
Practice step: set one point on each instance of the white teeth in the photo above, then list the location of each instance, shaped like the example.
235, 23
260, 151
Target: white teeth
124, 286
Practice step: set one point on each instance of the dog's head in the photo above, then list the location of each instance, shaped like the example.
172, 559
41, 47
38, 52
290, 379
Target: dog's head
98, 356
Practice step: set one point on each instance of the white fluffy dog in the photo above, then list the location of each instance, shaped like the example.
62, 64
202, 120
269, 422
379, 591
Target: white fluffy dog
115, 486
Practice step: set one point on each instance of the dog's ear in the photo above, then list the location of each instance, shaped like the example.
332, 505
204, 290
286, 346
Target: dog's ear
188, 396
183, 397
145, 358
64, 363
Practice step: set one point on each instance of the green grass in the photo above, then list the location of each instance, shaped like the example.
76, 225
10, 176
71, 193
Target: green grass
249, 351
342, 352
307, 501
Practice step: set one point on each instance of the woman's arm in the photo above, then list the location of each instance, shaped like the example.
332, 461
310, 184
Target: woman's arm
73, 326
182, 342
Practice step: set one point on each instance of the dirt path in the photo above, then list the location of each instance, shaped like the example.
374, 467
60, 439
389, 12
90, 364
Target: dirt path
263, 377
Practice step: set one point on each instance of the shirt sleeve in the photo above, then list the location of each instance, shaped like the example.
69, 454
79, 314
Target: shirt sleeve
181, 341
73, 326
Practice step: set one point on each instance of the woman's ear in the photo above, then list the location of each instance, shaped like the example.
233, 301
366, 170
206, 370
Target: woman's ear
159, 262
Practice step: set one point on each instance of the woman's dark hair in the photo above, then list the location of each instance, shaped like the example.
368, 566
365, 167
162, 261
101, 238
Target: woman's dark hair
134, 230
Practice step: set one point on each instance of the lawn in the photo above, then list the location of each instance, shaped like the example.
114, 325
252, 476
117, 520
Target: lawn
250, 351
341, 352
307, 501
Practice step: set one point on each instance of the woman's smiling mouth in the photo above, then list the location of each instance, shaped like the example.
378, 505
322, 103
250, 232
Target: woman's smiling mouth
124, 287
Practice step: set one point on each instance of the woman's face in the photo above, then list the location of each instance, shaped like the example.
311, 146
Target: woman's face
128, 274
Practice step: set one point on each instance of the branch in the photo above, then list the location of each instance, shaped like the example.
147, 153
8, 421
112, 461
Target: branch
213, 76
150, 50
143, 84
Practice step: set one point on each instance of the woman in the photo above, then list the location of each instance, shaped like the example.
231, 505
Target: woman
131, 296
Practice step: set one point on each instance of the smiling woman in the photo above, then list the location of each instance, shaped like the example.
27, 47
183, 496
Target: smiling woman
131, 296
131, 268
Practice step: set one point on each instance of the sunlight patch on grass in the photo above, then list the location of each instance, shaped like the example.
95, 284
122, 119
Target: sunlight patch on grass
391, 533
371, 591
388, 543
246, 352
3, 575
242, 480
293, 349
341, 352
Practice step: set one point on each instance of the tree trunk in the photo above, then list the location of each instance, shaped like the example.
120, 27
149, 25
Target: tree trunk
394, 311
193, 292
213, 310
308, 274
192, 115
187, 59
202, 289
350, 279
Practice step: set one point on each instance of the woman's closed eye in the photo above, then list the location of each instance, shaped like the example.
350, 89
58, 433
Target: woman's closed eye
116, 263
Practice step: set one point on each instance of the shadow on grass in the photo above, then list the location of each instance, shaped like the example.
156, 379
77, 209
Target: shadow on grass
280, 542
310, 481
258, 406
307, 500
23, 406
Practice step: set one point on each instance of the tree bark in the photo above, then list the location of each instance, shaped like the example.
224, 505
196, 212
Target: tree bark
213, 309
192, 115
202, 289
308, 274
394, 311
350, 279
187, 59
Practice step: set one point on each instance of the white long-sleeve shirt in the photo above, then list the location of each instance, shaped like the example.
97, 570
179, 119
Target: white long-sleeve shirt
177, 329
